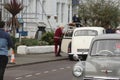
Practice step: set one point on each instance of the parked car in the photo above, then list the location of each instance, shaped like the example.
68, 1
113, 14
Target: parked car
81, 40
103, 61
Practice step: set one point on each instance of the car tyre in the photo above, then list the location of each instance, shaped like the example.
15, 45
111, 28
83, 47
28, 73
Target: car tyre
70, 57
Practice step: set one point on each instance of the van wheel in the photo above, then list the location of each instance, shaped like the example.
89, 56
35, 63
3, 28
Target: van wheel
70, 57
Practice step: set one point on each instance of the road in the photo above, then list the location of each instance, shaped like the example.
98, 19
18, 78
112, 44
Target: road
57, 70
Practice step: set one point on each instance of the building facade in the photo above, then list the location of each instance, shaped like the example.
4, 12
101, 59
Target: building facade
40, 13
75, 6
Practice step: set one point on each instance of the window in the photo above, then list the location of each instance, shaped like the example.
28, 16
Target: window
86, 33
102, 47
69, 33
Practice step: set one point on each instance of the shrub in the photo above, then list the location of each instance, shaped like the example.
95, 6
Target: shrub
33, 42
48, 37
15, 41
29, 42
43, 43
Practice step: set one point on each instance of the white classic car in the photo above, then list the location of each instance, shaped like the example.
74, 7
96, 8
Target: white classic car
81, 40
103, 61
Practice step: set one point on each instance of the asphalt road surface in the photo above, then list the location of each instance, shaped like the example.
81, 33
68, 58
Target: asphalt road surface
57, 70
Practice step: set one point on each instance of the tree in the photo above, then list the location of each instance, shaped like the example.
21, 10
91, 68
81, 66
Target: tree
14, 7
100, 12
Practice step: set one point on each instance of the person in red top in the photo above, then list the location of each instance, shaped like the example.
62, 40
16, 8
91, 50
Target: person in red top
57, 40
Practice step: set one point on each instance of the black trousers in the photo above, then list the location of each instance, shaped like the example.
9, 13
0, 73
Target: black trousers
59, 47
3, 63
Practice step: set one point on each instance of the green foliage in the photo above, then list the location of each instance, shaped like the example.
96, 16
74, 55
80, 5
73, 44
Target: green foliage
41, 43
29, 42
14, 7
33, 42
48, 37
103, 13
14, 40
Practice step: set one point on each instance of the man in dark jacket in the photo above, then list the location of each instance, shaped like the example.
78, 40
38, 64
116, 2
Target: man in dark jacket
76, 20
57, 39
5, 44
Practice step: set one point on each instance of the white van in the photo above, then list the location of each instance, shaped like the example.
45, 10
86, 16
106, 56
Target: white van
81, 40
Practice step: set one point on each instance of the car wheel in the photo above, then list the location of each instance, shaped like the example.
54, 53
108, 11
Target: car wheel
70, 57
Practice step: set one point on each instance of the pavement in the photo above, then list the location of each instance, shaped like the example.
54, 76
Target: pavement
29, 59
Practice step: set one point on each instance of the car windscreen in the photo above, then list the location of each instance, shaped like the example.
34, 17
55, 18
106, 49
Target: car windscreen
86, 33
106, 47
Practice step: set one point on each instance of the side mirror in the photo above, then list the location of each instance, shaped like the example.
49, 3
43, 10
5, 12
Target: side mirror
76, 57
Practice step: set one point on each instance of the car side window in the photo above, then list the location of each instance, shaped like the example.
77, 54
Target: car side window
68, 33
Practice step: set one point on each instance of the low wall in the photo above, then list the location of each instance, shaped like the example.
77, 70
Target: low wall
22, 49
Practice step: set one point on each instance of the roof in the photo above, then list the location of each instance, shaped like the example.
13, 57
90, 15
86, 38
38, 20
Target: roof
90, 28
107, 36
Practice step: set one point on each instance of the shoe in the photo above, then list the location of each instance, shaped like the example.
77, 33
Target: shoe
59, 55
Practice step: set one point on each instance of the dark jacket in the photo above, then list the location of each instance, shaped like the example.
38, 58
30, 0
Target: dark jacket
5, 42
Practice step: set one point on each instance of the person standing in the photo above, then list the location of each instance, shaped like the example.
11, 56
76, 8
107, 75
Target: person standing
57, 40
76, 20
109, 30
5, 44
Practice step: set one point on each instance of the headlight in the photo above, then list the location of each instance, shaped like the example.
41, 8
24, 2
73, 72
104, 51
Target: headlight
77, 71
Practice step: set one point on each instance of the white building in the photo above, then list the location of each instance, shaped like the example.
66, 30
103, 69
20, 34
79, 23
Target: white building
48, 13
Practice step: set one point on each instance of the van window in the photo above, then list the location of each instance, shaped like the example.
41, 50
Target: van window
86, 33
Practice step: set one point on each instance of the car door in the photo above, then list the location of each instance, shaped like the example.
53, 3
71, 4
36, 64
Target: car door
66, 40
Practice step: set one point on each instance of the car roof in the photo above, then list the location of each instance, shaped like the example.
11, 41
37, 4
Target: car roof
89, 28
107, 36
